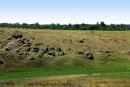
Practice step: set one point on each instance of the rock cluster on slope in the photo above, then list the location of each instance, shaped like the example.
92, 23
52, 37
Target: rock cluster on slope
23, 47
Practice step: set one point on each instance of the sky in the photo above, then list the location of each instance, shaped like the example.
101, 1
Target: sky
65, 11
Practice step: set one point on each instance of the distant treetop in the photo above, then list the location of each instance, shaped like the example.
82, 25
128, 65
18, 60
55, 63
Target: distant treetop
83, 26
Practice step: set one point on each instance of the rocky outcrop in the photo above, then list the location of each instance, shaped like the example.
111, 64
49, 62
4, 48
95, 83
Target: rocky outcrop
23, 47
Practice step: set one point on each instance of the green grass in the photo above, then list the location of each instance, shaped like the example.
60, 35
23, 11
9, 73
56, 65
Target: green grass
57, 71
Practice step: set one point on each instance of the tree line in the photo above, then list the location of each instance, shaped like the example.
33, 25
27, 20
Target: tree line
98, 26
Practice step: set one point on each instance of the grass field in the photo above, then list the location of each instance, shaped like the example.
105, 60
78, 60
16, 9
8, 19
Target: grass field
117, 70
103, 71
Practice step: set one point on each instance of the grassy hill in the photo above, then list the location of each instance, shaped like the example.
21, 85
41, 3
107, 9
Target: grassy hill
28, 53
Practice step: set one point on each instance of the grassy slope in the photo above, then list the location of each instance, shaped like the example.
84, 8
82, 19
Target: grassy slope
120, 69
119, 41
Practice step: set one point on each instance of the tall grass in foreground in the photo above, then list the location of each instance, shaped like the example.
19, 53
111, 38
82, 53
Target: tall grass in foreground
68, 82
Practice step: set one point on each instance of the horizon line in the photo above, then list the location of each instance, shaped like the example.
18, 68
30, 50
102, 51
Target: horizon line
64, 23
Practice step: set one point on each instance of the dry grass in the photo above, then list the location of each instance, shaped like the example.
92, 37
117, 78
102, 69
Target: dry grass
98, 40
68, 81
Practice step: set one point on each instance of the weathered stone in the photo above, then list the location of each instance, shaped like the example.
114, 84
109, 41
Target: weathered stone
129, 53
61, 54
80, 52
59, 49
47, 56
87, 53
90, 56
46, 50
26, 49
40, 55
32, 59
108, 51
81, 41
21, 53
0, 42
7, 49
38, 44
51, 53
1, 62
17, 35
36, 49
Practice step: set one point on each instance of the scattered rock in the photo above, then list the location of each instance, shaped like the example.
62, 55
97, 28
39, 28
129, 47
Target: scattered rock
36, 49
90, 56
1, 62
32, 58
81, 41
4, 43
70, 49
51, 48
54, 51
87, 53
129, 53
39, 44
59, 49
27, 49
51, 53
24, 49
17, 35
2, 59
46, 50
7, 49
40, 55
12, 45
17, 40
0, 42
108, 51
61, 53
